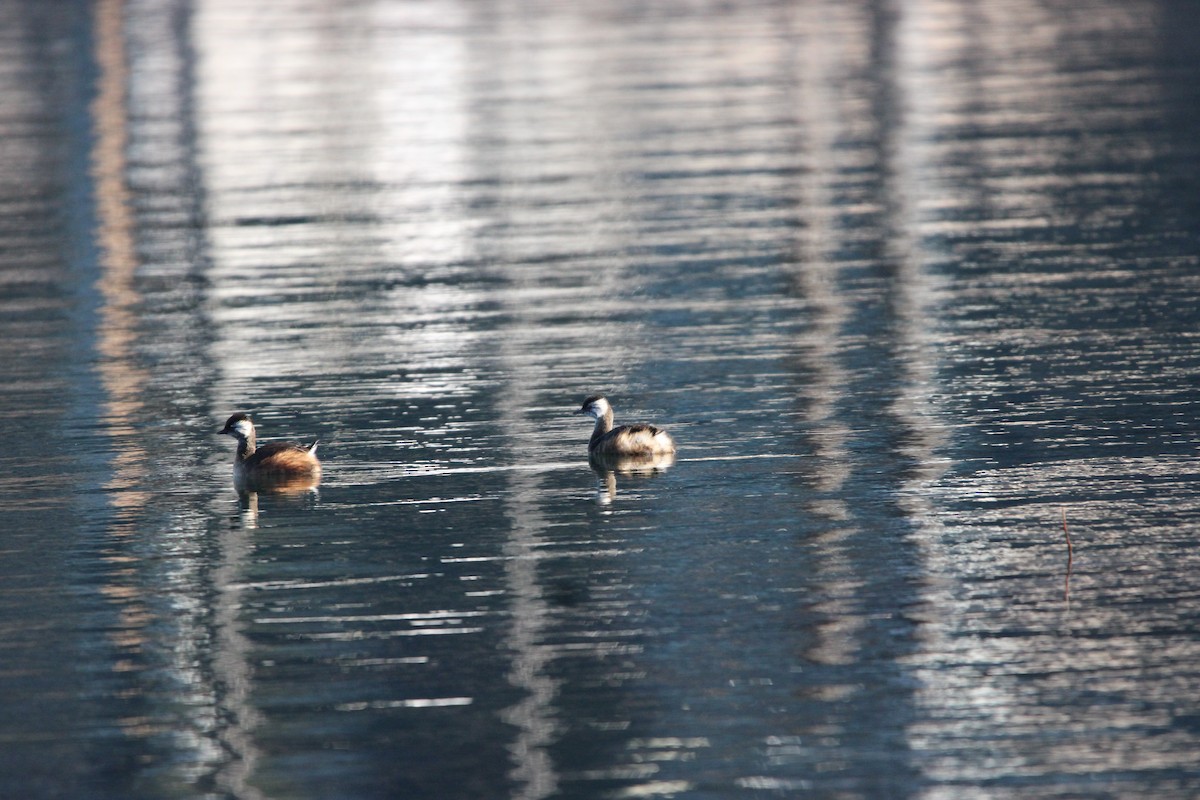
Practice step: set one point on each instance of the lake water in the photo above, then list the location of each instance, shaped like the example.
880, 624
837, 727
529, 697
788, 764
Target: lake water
914, 285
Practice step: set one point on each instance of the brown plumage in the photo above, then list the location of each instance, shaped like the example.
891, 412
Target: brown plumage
626, 440
277, 460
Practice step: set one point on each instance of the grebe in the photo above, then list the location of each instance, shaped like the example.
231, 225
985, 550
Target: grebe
627, 440
274, 461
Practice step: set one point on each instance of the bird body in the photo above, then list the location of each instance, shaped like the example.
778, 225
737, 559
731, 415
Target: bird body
625, 440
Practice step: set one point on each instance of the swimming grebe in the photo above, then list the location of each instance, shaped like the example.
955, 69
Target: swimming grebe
274, 461
627, 440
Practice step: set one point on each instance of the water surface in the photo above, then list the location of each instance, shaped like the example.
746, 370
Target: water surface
913, 285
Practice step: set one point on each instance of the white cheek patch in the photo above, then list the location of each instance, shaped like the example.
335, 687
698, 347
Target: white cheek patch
243, 428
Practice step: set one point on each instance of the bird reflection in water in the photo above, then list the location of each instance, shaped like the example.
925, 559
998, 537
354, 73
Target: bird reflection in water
289, 488
608, 467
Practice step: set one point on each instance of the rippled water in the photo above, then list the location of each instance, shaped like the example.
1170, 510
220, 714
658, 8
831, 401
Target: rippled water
913, 285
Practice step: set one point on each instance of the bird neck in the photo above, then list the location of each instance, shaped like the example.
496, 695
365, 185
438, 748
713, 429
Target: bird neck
603, 425
245, 447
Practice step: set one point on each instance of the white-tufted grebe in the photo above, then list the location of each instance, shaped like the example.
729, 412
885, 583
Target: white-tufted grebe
627, 440
277, 461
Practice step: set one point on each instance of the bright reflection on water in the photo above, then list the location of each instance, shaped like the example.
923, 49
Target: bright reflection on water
913, 285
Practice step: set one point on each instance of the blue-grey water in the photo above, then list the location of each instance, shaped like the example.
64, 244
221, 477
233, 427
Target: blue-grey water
914, 285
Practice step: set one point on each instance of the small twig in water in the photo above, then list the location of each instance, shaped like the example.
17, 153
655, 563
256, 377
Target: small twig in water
1070, 557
